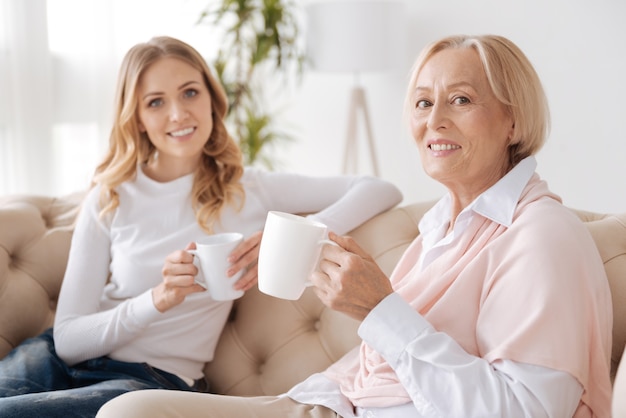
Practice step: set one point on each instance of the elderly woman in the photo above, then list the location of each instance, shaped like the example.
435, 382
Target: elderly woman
500, 308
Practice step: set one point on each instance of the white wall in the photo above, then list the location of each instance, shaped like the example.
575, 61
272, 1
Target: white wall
577, 47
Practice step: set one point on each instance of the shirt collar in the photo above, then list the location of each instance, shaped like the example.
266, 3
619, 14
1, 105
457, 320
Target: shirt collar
497, 203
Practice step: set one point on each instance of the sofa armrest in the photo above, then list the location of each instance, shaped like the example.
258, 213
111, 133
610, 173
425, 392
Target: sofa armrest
35, 235
609, 234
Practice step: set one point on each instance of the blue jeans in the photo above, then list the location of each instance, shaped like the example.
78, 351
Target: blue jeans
35, 382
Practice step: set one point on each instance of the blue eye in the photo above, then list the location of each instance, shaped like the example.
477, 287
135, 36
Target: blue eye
155, 103
461, 100
422, 104
190, 93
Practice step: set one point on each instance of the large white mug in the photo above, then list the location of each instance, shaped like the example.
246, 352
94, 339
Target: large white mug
289, 252
210, 256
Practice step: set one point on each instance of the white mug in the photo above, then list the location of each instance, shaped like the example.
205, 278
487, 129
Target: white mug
288, 254
210, 256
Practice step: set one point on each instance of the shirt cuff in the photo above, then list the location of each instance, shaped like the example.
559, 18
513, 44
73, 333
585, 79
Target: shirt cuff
391, 326
143, 310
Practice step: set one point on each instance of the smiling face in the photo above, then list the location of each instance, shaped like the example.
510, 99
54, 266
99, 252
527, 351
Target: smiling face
174, 110
462, 130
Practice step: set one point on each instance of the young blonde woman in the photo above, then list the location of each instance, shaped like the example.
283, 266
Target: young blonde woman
129, 315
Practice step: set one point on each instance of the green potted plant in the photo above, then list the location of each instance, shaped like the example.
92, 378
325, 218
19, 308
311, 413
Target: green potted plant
260, 40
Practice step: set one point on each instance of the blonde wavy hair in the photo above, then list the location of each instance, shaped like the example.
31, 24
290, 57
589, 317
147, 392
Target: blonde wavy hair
216, 180
514, 82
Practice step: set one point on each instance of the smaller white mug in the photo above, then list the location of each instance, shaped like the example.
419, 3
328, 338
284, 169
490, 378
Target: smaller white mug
289, 252
210, 256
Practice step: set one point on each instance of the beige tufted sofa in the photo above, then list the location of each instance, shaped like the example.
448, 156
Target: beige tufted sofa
269, 344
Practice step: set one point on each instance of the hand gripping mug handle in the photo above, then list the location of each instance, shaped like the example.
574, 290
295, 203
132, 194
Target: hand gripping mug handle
199, 279
319, 258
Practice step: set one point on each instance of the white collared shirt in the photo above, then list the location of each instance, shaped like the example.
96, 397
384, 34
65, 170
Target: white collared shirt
496, 203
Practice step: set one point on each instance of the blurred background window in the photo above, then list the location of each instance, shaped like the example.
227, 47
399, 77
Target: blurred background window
58, 65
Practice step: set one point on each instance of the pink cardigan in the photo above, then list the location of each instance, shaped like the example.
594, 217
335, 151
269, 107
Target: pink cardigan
534, 293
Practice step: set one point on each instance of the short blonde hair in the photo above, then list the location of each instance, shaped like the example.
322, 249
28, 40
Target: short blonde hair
514, 82
217, 179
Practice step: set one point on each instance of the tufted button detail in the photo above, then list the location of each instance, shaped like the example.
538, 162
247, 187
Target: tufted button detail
261, 368
11, 261
46, 221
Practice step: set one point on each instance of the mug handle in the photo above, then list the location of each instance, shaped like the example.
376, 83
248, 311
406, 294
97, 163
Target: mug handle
199, 279
317, 264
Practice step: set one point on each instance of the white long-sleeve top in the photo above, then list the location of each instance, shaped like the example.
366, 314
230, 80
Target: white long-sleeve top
105, 305
441, 378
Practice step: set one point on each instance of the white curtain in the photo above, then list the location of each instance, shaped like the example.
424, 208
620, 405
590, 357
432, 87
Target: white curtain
56, 93
58, 65
26, 99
